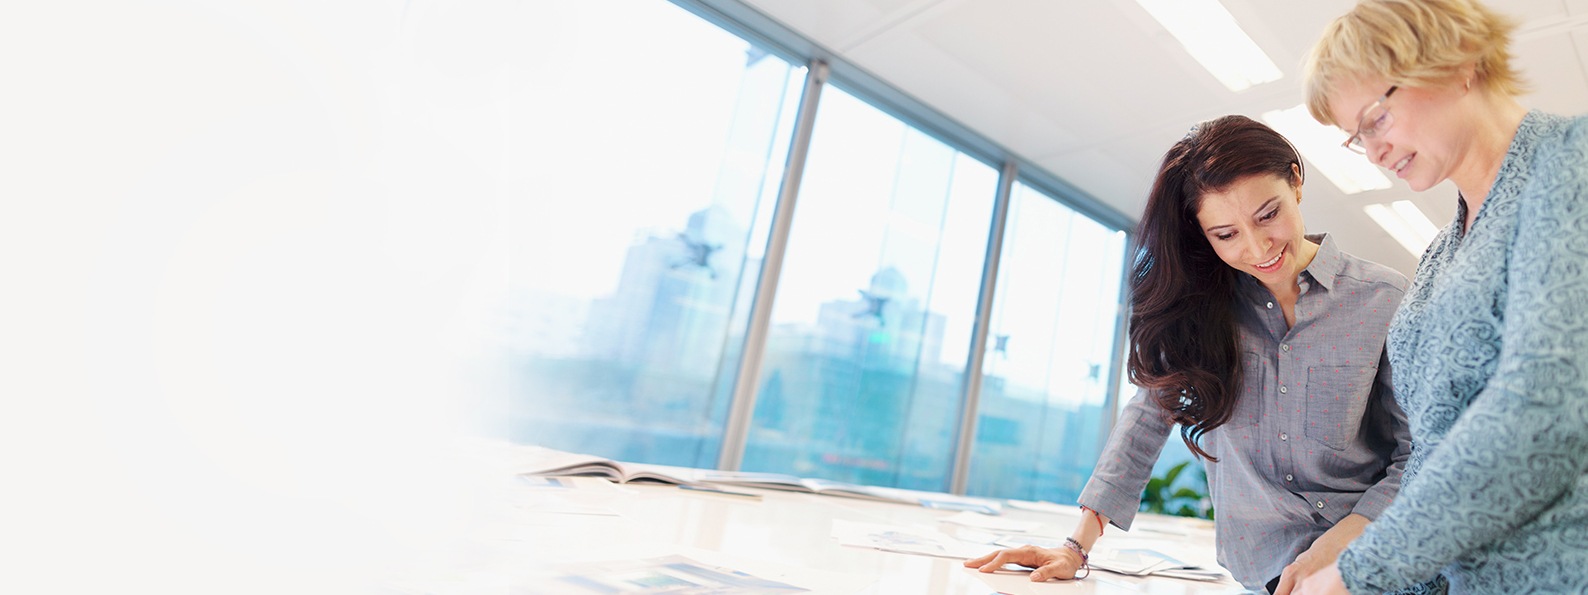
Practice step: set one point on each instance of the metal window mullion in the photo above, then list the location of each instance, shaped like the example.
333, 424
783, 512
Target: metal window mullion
978, 340
742, 409
1121, 348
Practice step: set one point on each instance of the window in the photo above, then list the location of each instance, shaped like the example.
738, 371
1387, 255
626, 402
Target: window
655, 150
871, 328
1050, 344
642, 166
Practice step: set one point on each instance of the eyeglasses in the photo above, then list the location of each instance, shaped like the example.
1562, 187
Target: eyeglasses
1375, 121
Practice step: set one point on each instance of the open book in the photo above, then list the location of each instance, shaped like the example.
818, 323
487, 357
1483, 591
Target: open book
539, 461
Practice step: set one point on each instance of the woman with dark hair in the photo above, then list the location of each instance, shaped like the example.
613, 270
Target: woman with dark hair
1266, 346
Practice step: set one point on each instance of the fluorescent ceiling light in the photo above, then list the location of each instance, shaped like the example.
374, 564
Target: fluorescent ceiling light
1416, 219
1211, 35
1406, 223
1320, 144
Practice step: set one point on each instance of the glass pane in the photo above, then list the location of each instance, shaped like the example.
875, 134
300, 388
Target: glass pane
871, 328
1050, 345
656, 143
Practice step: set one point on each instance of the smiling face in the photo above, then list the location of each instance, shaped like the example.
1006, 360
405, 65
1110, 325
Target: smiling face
1255, 227
1423, 142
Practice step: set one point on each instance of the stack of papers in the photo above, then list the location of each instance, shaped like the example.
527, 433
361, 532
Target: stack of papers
1144, 562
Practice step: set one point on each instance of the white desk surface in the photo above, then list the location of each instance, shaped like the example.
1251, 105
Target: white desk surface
785, 537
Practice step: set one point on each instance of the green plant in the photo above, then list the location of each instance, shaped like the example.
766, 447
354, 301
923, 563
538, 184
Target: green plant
1162, 497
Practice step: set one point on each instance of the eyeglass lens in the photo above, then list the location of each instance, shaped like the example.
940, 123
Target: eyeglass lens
1375, 121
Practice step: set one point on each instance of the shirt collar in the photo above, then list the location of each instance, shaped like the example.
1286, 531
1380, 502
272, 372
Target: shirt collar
1327, 263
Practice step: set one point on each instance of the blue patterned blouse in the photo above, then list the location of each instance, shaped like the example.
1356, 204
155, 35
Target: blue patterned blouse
1490, 351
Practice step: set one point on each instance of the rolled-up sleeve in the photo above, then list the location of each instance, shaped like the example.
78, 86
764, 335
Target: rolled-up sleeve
1126, 464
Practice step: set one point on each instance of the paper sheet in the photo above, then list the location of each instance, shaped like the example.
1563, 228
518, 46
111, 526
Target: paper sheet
903, 540
991, 523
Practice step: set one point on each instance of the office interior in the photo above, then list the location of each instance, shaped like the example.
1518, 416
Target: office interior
275, 260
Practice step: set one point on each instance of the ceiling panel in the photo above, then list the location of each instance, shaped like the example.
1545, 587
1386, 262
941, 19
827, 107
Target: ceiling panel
965, 93
1528, 11
1070, 61
829, 23
1554, 71
1345, 225
1094, 92
1103, 175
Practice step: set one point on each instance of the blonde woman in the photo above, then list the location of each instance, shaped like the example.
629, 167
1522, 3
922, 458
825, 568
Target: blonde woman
1490, 345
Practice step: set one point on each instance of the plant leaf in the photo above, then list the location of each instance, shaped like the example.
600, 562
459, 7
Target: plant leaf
1174, 472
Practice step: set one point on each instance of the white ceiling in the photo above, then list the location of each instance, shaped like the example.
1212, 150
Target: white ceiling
1095, 91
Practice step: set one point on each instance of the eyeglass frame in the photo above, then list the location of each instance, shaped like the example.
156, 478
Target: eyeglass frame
1352, 144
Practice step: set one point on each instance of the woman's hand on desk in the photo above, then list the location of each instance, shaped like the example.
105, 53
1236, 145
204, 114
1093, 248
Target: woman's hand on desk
1060, 563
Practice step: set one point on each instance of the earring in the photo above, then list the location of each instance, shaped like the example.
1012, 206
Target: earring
1469, 84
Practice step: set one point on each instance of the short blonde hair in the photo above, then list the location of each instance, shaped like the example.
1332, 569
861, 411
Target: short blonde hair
1417, 43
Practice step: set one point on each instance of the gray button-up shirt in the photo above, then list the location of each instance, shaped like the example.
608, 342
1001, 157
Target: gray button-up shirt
1315, 435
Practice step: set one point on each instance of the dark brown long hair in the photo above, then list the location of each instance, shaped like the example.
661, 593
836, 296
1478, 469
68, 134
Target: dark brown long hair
1184, 347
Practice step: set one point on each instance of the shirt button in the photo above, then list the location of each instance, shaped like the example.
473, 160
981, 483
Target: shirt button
1319, 505
1289, 477
1283, 436
1270, 305
1285, 347
1283, 390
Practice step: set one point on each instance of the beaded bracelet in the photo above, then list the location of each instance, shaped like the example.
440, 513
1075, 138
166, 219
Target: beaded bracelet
1073, 545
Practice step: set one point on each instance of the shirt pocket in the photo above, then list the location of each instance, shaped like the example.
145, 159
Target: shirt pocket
1336, 402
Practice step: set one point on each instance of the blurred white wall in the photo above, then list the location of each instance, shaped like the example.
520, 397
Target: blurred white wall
249, 277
